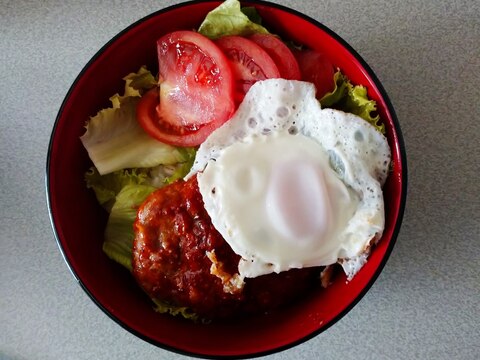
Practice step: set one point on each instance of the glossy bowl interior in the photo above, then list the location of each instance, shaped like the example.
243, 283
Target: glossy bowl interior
78, 221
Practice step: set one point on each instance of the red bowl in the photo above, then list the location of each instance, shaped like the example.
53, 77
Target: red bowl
78, 221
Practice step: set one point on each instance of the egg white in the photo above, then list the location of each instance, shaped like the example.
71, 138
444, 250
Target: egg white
337, 158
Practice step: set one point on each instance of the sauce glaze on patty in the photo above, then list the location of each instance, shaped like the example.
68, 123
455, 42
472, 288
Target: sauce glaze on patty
172, 260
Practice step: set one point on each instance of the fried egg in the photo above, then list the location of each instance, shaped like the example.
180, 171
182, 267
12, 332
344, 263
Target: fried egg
291, 185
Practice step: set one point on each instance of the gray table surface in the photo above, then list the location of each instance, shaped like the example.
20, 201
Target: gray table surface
425, 304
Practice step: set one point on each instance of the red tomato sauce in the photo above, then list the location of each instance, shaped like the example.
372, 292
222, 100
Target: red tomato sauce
173, 234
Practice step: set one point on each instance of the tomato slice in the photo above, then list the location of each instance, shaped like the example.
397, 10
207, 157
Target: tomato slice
249, 62
317, 69
196, 90
280, 54
150, 120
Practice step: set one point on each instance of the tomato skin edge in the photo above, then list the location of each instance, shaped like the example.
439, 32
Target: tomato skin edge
147, 117
280, 53
249, 63
317, 69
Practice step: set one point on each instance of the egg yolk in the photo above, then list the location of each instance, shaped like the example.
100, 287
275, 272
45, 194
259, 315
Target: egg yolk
297, 200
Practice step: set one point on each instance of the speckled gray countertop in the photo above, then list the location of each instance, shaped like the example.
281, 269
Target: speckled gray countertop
425, 304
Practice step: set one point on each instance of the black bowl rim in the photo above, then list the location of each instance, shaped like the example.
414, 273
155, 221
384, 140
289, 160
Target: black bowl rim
400, 143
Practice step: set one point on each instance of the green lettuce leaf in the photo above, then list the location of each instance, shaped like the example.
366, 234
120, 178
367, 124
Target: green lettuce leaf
119, 233
252, 14
164, 308
114, 139
352, 99
136, 84
359, 104
228, 19
106, 187
339, 92
181, 169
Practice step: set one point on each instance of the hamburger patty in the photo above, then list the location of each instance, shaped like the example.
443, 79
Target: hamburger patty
179, 258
